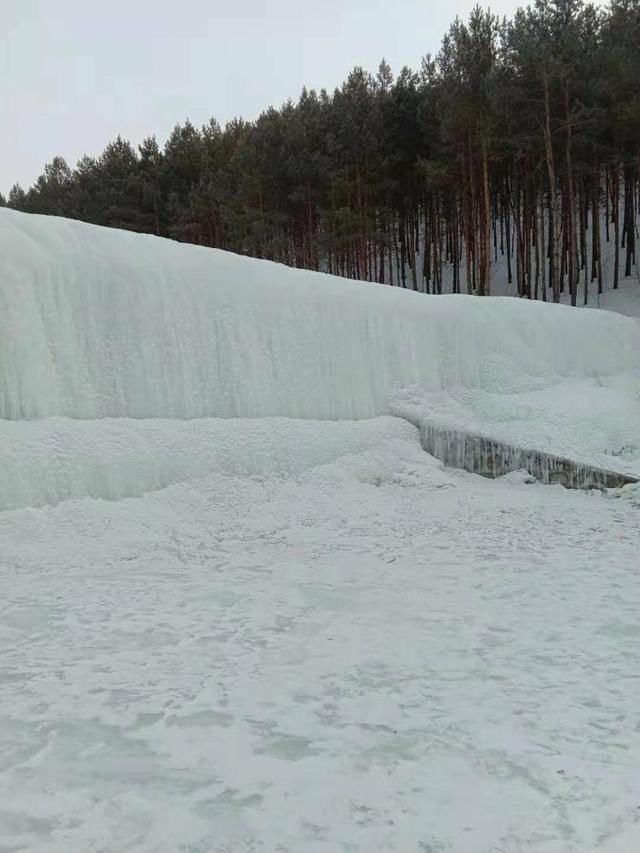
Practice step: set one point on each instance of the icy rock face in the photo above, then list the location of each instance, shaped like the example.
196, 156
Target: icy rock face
101, 323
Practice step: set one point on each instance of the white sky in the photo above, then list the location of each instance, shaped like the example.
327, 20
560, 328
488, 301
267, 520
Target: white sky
75, 73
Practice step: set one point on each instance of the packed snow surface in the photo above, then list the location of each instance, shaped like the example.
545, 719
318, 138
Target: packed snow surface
244, 612
372, 655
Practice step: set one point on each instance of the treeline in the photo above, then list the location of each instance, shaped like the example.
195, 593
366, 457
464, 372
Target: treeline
519, 141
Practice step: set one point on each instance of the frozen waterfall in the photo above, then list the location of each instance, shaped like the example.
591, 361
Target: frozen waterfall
96, 323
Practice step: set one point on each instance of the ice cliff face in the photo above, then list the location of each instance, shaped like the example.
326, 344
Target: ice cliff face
99, 323
120, 353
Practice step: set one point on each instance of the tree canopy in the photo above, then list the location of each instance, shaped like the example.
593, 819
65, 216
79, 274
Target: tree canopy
521, 138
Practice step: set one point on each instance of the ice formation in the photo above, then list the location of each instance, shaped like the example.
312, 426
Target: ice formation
114, 328
489, 457
55, 459
96, 322
593, 421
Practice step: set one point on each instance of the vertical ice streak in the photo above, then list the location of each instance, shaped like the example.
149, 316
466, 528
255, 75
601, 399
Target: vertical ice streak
96, 322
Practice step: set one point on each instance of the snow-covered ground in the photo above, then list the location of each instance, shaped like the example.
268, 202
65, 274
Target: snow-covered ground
625, 300
374, 654
280, 635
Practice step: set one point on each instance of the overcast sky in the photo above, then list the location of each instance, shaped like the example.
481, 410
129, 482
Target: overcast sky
75, 73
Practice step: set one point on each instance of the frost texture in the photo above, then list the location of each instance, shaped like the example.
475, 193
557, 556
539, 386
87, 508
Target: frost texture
121, 354
99, 323
594, 422
491, 458
48, 461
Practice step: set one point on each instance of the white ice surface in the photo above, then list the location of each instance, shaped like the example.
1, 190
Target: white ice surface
96, 322
50, 460
373, 655
594, 421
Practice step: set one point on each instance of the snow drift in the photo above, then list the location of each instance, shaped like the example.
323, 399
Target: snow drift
99, 323
48, 461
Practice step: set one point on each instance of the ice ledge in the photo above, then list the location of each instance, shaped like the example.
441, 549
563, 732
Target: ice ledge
492, 458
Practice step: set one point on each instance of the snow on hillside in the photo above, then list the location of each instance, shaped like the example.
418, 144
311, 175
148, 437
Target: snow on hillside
625, 300
300, 632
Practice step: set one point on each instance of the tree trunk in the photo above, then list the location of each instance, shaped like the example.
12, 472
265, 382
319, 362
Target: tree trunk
486, 275
571, 234
615, 205
536, 244
543, 251
554, 211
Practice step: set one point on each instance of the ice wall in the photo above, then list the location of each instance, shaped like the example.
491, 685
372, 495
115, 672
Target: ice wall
101, 323
488, 457
55, 459
594, 421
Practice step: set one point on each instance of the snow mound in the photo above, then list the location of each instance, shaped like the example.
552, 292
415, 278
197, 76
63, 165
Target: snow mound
56, 459
98, 323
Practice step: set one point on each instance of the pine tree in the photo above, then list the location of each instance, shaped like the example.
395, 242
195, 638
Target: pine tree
17, 198
519, 143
